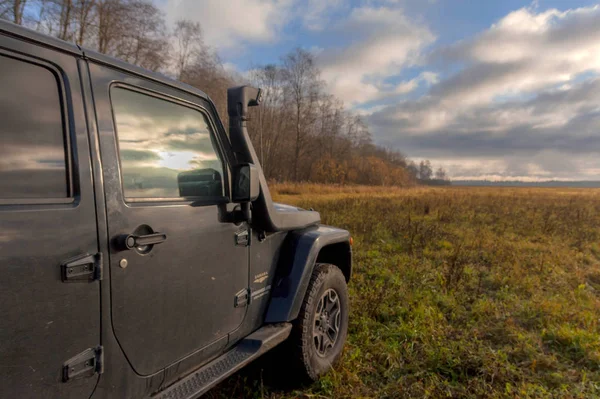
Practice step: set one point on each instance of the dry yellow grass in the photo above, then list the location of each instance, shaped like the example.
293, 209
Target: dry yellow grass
295, 191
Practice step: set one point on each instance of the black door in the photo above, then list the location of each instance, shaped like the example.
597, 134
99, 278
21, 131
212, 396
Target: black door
47, 216
175, 267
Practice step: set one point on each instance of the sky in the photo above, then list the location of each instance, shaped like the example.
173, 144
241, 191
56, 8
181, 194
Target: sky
499, 90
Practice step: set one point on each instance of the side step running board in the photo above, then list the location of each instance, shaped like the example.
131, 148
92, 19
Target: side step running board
251, 347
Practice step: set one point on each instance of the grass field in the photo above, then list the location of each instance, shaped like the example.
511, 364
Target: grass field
460, 292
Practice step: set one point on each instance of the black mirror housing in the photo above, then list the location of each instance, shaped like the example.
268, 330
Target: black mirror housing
246, 183
200, 183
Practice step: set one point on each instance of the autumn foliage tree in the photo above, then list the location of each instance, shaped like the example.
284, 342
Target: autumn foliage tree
301, 132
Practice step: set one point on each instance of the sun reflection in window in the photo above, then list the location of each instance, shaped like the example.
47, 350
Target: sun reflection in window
167, 150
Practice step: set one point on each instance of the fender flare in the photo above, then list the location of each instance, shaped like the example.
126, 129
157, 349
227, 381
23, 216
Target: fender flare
301, 251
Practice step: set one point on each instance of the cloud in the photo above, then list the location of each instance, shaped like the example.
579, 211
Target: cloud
522, 53
379, 43
540, 137
316, 14
518, 99
543, 166
524, 99
230, 23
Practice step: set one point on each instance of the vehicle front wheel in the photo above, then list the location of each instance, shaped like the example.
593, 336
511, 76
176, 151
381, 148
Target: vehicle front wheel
319, 333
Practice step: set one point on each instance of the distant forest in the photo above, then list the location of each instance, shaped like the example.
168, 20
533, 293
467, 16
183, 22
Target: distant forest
515, 183
301, 133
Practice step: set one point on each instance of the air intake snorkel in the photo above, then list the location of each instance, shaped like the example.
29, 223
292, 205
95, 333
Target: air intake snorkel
238, 101
264, 214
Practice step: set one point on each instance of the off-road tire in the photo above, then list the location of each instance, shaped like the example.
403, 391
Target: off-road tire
305, 359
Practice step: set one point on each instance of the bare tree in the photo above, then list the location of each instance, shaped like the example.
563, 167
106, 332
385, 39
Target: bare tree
440, 174
267, 78
41, 15
301, 79
13, 10
301, 132
327, 144
66, 16
85, 17
425, 170
145, 41
189, 44
5, 8
109, 23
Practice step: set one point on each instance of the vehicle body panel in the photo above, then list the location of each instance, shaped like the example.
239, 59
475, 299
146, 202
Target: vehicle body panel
168, 312
155, 300
300, 253
46, 321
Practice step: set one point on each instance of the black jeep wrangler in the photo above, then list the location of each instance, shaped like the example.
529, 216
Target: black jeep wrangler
140, 250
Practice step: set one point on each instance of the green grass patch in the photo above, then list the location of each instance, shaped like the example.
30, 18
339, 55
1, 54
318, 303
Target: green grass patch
462, 292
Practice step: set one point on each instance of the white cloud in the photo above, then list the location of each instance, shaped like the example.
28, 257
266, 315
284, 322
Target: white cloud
540, 167
525, 101
523, 53
382, 41
227, 24
230, 68
315, 14
408, 86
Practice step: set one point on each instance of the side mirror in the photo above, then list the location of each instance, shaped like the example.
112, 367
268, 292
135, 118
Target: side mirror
246, 184
200, 183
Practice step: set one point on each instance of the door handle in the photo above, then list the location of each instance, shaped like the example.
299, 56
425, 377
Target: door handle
131, 241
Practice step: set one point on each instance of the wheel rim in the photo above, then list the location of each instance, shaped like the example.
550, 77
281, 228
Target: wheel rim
326, 327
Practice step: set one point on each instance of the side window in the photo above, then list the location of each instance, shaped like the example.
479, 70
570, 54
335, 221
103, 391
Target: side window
33, 161
167, 150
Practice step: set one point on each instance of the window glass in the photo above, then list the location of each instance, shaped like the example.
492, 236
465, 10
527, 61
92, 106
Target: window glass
32, 152
167, 150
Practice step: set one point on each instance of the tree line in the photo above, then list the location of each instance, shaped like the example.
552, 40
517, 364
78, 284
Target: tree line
301, 132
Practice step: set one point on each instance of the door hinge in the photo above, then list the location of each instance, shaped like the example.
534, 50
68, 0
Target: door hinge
84, 268
243, 298
242, 238
86, 364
